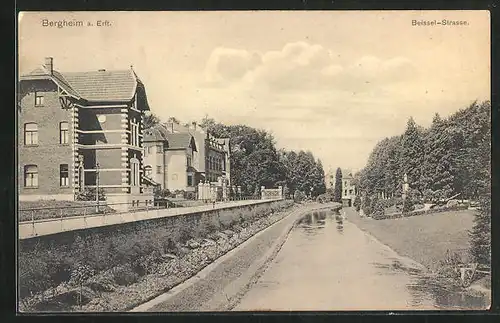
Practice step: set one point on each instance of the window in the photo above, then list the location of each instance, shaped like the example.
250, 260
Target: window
30, 134
159, 148
345, 192
148, 171
189, 161
38, 99
31, 176
135, 133
63, 133
190, 180
350, 192
158, 169
63, 175
81, 178
134, 176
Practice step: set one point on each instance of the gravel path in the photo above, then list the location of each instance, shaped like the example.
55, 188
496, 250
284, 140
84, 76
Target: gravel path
196, 296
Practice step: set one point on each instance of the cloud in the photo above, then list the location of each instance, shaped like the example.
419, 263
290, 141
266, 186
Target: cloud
228, 64
301, 66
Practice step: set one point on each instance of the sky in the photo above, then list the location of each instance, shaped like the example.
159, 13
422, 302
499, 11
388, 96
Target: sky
334, 83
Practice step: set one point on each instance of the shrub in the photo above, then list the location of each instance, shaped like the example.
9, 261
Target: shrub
367, 206
480, 235
299, 196
124, 275
89, 194
378, 207
357, 203
191, 195
161, 193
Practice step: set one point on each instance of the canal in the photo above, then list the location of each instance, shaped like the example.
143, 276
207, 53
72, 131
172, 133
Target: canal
332, 265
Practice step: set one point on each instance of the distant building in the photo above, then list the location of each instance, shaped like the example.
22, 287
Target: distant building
330, 179
70, 123
348, 188
169, 147
169, 159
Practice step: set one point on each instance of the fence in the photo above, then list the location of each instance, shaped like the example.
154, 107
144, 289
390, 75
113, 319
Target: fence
108, 216
271, 193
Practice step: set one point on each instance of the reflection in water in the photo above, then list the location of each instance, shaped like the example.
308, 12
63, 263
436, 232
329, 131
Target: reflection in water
424, 290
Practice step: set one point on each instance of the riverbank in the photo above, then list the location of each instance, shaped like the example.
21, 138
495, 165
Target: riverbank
121, 287
428, 239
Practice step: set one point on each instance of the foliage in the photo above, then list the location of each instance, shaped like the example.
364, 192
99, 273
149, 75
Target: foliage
42, 266
480, 234
357, 203
89, 194
367, 205
190, 195
160, 193
338, 186
452, 156
299, 196
150, 120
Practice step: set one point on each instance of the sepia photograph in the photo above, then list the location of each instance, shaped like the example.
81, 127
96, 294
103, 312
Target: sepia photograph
245, 161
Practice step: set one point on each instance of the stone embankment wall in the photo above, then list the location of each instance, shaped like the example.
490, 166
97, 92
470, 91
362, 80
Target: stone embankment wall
115, 257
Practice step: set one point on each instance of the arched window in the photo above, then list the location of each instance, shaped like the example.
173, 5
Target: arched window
31, 176
30, 133
134, 168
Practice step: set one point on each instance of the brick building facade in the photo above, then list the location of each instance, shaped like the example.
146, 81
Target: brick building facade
74, 126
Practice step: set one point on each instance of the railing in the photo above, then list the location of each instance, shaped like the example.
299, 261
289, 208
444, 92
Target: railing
103, 208
107, 216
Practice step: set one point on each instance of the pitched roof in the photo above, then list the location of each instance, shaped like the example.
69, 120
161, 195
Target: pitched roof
346, 173
180, 141
104, 85
93, 86
156, 133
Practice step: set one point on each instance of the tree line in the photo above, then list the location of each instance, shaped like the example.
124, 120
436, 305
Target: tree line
450, 157
256, 161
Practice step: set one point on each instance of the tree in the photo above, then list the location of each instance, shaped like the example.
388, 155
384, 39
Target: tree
480, 235
338, 186
357, 203
174, 120
151, 120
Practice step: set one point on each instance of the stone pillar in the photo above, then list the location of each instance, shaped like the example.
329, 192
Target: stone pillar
200, 191
262, 188
280, 188
224, 191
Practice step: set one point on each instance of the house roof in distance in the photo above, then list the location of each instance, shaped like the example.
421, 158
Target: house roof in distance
181, 141
347, 173
156, 133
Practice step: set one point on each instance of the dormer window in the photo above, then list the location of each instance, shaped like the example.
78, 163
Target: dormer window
38, 99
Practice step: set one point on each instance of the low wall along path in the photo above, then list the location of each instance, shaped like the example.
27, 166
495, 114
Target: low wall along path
52, 226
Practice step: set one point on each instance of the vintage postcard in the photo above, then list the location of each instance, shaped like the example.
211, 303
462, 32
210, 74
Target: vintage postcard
254, 161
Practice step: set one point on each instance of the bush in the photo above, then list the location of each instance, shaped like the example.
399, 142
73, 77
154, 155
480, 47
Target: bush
480, 235
89, 194
161, 193
191, 195
124, 276
299, 196
357, 203
366, 205
131, 252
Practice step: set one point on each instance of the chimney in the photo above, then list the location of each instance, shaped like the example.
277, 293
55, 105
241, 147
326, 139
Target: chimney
49, 65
